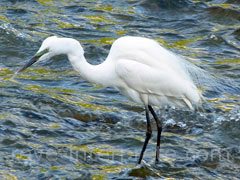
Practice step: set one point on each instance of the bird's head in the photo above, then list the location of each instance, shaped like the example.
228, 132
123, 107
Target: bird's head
53, 46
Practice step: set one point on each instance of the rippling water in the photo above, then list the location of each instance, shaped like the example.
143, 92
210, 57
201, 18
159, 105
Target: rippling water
55, 125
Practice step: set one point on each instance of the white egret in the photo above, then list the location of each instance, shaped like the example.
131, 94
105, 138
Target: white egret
138, 67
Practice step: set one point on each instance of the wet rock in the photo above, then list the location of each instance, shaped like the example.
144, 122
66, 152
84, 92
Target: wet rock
143, 171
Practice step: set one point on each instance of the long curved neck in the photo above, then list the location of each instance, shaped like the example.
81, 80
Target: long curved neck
99, 74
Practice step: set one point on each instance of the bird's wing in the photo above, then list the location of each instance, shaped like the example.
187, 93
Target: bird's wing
155, 81
151, 53
148, 52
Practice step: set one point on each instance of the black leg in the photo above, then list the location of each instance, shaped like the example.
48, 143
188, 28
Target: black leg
159, 129
148, 135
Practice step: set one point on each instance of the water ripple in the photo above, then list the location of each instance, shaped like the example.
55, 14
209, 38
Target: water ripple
55, 125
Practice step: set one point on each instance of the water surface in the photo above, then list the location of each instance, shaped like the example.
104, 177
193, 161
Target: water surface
55, 125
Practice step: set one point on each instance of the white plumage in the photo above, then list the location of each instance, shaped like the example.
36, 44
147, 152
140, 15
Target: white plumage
138, 67
151, 74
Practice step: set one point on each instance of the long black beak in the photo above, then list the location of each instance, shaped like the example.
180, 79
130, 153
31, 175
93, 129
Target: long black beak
28, 64
33, 60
